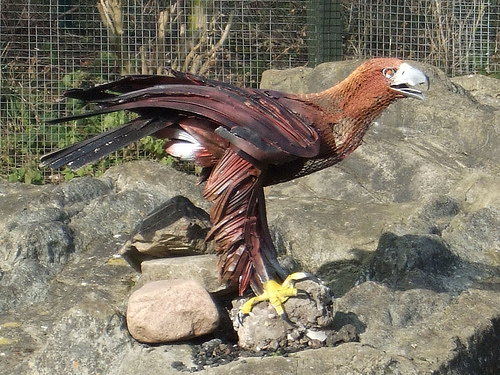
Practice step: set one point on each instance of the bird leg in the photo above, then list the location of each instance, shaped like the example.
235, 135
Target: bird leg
241, 234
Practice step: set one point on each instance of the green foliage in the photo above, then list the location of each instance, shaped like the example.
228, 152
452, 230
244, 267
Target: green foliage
25, 135
69, 174
28, 175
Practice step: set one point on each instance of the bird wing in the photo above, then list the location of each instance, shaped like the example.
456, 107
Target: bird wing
254, 121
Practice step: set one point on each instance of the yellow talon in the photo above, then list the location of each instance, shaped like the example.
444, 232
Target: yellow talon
275, 293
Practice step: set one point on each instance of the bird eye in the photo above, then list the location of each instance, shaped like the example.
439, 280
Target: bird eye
389, 72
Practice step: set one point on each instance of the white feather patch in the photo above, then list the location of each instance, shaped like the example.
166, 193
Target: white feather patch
184, 150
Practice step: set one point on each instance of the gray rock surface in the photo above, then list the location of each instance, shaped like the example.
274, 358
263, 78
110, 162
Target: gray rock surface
175, 228
404, 231
201, 268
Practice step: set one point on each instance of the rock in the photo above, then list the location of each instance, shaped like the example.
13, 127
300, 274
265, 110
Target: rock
304, 80
95, 336
475, 236
176, 227
347, 333
26, 285
62, 281
171, 310
34, 226
161, 359
483, 88
410, 261
200, 268
309, 313
423, 187
78, 192
161, 181
431, 329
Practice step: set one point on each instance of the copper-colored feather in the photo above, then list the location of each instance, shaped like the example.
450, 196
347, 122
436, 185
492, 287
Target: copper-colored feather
244, 139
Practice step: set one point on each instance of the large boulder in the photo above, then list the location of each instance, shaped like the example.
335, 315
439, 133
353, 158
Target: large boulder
404, 231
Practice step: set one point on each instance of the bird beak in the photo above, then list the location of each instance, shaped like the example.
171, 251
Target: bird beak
407, 76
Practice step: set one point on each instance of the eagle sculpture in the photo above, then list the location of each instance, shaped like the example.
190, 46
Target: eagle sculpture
244, 139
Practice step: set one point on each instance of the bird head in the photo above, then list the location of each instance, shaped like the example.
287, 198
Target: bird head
372, 87
390, 77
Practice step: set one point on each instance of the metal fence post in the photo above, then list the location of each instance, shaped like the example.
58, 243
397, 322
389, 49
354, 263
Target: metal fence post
326, 21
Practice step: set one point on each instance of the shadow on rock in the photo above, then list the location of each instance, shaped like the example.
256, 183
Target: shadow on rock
423, 261
411, 261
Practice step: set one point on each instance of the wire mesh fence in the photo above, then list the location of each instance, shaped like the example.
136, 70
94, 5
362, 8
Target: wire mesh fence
458, 36
49, 46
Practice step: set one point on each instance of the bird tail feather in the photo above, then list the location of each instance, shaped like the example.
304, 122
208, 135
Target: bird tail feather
95, 148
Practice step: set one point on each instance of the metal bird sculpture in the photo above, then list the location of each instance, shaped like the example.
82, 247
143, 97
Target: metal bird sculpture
244, 139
